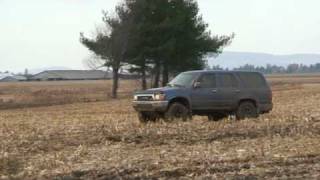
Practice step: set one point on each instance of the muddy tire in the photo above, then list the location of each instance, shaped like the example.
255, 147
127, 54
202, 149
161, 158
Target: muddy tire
247, 109
145, 117
177, 111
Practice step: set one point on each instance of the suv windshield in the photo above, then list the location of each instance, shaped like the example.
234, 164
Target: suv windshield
183, 80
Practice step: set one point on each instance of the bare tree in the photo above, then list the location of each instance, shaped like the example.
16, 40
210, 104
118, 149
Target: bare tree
111, 43
94, 62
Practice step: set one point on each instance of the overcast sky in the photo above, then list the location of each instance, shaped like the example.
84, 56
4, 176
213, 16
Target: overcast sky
44, 33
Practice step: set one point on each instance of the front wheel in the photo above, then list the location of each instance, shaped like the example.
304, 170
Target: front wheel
177, 111
247, 109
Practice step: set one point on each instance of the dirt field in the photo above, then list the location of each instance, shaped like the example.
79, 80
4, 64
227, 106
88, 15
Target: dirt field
103, 139
35, 94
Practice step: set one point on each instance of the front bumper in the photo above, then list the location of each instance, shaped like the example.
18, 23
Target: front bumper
150, 106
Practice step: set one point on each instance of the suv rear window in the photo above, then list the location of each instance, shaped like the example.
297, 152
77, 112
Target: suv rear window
252, 80
228, 80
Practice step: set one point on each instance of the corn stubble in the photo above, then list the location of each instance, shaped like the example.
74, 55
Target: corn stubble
104, 140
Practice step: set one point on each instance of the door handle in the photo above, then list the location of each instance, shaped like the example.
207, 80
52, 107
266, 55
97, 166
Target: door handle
237, 91
214, 91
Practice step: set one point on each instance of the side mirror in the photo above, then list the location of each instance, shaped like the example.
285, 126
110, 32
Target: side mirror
197, 85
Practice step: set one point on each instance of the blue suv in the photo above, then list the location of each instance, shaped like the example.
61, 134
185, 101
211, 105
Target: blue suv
215, 94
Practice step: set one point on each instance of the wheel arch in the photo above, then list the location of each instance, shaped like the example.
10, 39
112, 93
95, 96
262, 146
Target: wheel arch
181, 100
252, 100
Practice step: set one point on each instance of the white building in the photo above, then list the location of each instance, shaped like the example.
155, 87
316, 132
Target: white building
13, 78
60, 75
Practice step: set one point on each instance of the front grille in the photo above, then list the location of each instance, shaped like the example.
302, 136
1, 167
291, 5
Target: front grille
145, 98
144, 106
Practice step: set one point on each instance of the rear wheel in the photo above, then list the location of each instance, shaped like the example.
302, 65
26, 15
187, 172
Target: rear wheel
247, 109
145, 117
177, 111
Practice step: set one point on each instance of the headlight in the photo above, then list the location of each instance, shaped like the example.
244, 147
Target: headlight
159, 97
135, 98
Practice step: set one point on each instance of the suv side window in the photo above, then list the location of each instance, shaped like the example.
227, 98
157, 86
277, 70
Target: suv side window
208, 81
228, 80
252, 80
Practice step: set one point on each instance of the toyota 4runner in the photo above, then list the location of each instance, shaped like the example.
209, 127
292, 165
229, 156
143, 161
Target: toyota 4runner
215, 94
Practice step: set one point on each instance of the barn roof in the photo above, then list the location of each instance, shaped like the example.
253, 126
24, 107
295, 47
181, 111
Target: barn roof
72, 74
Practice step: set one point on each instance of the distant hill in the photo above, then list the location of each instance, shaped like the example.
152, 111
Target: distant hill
230, 59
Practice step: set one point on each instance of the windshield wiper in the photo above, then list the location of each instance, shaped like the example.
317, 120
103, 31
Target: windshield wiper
175, 85
179, 85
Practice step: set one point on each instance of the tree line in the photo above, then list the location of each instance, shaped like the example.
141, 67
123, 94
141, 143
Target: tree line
275, 69
159, 38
